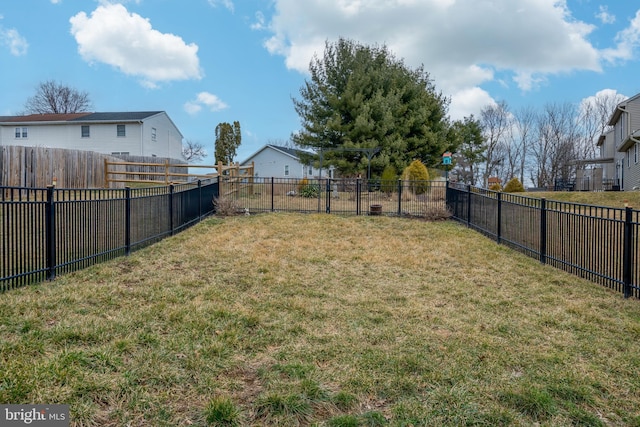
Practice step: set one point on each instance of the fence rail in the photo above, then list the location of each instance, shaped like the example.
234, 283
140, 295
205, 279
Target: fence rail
600, 244
46, 232
165, 172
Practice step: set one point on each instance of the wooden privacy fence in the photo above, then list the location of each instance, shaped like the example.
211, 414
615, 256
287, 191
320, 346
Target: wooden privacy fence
38, 167
167, 173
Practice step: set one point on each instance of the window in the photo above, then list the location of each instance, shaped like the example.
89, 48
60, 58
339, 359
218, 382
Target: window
153, 134
286, 170
121, 132
85, 131
22, 132
120, 153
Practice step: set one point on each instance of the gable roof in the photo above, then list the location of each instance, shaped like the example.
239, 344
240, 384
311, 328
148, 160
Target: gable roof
621, 107
291, 152
117, 116
43, 118
132, 116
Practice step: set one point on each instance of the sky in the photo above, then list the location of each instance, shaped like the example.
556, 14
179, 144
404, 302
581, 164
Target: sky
205, 62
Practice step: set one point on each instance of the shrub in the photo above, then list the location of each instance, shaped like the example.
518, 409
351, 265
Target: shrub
388, 179
226, 206
302, 184
309, 190
514, 186
417, 171
495, 187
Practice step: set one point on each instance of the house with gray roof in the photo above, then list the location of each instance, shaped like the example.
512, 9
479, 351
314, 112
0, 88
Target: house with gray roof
281, 162
138, 133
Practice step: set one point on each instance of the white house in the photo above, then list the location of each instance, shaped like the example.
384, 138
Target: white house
280, 162
626, 135
142, 133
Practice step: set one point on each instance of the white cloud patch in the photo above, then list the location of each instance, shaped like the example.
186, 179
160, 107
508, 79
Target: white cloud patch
202, 100
128, 42
225, 3
462, 43
627, 42
56, 1
12, 39
604, 16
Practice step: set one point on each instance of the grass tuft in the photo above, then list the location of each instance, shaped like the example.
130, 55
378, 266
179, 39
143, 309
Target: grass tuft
221, 412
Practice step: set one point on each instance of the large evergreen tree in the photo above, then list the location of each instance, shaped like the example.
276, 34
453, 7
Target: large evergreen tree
228, 139
361, 97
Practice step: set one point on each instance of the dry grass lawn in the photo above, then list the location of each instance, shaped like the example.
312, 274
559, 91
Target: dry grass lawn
288, 319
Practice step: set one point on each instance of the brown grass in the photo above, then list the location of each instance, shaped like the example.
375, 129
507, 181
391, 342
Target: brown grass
324, 320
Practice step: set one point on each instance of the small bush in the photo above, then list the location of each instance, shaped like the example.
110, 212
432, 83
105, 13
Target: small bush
309, 190
388, 179
436, 213
495, 187
417, 171
514, 186
226, 206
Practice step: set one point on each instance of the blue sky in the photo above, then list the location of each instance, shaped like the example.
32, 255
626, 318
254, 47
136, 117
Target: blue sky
212, 61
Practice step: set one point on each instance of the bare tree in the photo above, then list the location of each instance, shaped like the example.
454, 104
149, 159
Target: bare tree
593, 119
56, 98
193, 151
554, 151
523, 132
495, 122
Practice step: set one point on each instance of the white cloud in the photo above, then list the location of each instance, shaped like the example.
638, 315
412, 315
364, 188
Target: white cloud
56, 1
12, 39
462, 43
205, 99
260, 22
628, 41
604, 16
225, 3
128, 42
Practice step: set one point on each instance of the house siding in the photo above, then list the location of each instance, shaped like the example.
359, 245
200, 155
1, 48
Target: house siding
103, 137
627, 123
270, 162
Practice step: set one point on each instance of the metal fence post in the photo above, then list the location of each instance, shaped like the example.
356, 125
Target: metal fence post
499, 225
399, 197
469, 205
199, 200
272, 191
543, 230
127, 221
627, 266
50, 233
171, 208
358, 195
328, 195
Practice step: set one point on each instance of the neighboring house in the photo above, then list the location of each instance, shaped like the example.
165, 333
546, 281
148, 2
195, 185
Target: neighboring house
626, 135
142, 133
280, 162
610, 159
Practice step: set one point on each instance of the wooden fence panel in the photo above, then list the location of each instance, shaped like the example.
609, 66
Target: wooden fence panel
37, 167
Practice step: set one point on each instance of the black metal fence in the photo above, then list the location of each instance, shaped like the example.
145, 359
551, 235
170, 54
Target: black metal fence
46, 232
600, 244
337, 196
